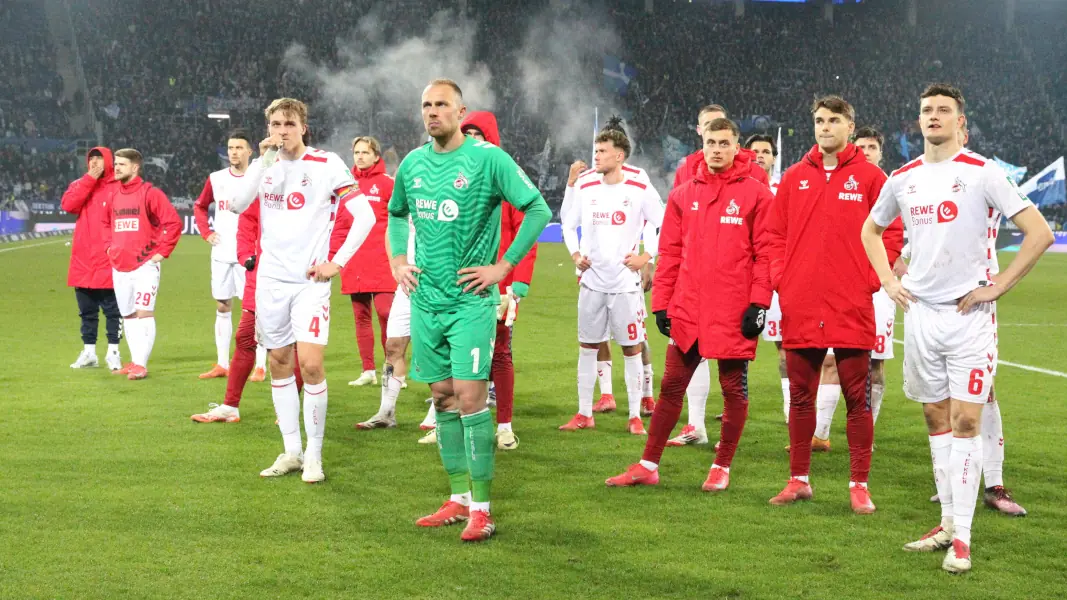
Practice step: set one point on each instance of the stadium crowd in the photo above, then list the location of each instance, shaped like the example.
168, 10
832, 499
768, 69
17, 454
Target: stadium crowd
152, 68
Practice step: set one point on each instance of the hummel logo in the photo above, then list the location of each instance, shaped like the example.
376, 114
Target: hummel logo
696, 205
911, 189
417, 184
803, 184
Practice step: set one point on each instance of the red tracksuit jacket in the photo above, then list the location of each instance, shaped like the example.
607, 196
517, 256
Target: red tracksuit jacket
141, 222
714, 260
368, 272
85, 197
818, 264
248, 245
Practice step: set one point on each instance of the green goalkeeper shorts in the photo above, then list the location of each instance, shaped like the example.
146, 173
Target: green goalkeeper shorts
457, 344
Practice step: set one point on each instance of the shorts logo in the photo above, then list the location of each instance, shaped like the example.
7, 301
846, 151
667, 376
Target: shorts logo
947, 211
852, 185
127, 225
326, 312
618, 218
294, 201
460, 182
448, 210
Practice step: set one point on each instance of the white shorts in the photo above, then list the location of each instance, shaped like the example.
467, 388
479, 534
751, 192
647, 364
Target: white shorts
885, 313
604, 315
227, 280
772, 331
949, 355
399, 324
137, 289
292, 312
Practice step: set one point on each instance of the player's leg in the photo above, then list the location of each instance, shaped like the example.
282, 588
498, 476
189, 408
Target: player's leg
113, 326
503, 373
125, 299
383, 305
772, 332
89, 312
626, 321
804, 367
885, 314
244, 354
695, 431
854, 370
826, 403
633, 375
310, 321
361, 307
648, 398
396, 333
603, 378
733, 379
274, 329
996, 495
592, 331
677, 371
223, 289
146, 284
783, 373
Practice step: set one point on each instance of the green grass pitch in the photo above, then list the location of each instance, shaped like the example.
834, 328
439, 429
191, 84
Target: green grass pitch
108, 490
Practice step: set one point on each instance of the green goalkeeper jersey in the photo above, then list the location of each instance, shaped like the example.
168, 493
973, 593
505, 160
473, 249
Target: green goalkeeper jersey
453, 200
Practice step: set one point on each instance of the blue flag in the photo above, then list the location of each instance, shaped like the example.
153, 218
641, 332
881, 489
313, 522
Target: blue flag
617, 74
1047, 188
1016, 173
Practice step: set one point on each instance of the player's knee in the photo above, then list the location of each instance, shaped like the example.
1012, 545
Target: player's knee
966, 424
877, 372
223, 306
143, 314
937, 417
395, 349
632, 350
603, 350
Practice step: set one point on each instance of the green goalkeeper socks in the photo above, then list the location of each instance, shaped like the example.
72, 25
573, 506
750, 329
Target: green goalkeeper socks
480, 446
450, 442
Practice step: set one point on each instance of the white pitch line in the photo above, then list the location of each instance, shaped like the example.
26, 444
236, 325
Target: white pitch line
1018, 366
32, 245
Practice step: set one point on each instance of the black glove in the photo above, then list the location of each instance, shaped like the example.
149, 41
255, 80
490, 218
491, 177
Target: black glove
663, 323
250, 263
752, 321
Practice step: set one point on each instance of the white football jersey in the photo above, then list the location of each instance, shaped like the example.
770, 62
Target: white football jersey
946, 208
628, 171
298, 202
612, 218
224, 185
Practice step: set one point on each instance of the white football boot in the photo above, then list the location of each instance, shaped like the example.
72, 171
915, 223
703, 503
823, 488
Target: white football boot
283, 465
86, 360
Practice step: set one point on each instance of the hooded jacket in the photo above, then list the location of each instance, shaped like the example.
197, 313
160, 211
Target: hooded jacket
818, 265
368, 271
89, 264
248, 246
714, 260
510, 217
695, 162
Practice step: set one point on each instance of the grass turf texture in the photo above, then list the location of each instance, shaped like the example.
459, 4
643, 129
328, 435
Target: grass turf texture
109, 490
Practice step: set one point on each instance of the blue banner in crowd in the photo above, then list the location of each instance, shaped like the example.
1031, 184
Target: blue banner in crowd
1048, 187
617, 74
1016, 173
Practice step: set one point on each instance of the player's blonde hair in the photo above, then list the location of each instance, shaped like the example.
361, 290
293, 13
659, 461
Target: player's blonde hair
288, 106
131, 155
371, 141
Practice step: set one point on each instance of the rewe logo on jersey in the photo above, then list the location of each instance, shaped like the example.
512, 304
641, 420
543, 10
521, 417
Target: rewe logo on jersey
127, 225
294, 201
618, 218
947, 211
448, 210
733, 209
852, 185
460, 182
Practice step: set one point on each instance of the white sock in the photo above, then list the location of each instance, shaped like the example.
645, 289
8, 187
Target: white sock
940, 454
603, 373
482, 506
785, 399
697, 394
587, 373
803, 478
646, 381
134, 338
90, 348
852, 484
632, 369
503, 427
992, 445
826, 404
261, 357
877, 391
966, 475
390, 391
148, 331
223, 333
112, 348
287, 408
464, 498
651, 466
314, 418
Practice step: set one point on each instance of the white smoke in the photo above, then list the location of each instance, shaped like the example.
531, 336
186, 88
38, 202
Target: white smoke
376, 85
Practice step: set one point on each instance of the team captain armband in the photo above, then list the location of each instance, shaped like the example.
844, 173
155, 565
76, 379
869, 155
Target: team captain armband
347, 191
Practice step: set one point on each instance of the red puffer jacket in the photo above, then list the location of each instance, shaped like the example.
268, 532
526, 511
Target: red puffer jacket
248, 245
89, 264
714, 260
694, 163
818, 265
368, 272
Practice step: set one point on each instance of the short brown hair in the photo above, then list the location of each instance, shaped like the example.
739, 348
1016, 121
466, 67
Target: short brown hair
617, 139
944, 89
131, 155
724, 125
836, 105
450, 83
869, 132
375, 146
290, 106
713, 108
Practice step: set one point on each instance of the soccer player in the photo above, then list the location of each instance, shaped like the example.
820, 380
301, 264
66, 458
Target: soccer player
710, 296
367, 278
950, 348
247, 349
227, 274
513, 288
141, 228
824, 287
612, 212
870, 141
298, 188
451, 189
90, 269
